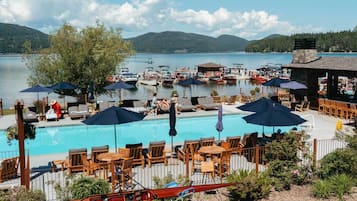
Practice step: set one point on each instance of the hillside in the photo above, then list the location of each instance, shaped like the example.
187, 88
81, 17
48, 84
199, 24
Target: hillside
344, 41
12, 38
180, 42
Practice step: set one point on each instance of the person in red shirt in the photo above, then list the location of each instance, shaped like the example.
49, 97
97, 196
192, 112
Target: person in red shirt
57, 108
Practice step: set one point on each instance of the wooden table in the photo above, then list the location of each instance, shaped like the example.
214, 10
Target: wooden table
111, 158
211, 150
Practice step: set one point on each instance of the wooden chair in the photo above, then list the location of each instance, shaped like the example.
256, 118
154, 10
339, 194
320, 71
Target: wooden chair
8, 169
74, 162
124, 152
136, 152
304, 106
342, 109
208, 141
223, 162
195, 160
124, 174
207, 167
235, 145
232, 100
250, 140
98, 150
352, 111
321, 102
156, 153
185, 150
89, 167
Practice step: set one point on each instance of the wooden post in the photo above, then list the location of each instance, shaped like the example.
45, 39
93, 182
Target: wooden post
27, 183
187, 162
257, 159
314, 154
21, 137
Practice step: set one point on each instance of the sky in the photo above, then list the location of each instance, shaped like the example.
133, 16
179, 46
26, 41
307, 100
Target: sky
249, 19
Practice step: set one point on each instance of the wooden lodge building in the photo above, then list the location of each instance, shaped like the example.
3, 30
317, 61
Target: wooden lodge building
306, 67
211, 69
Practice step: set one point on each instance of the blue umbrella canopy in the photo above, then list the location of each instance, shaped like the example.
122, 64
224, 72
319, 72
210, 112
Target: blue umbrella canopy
118, 86
274, 116
37, 88
293, 85
275, 82
172, 118
261, 105
112, 116
219, 124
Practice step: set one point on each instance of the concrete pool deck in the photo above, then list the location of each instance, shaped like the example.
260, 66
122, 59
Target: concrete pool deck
318, 126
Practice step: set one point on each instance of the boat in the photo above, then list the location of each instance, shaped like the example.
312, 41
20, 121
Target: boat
149, 77
127, 77
183, 74
166, 79
237, 71
155, 194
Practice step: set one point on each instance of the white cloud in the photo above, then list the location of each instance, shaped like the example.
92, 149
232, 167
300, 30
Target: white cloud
136, 17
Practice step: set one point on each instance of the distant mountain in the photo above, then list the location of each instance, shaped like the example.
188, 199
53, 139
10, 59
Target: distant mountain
180, 42
12, 38
274, 36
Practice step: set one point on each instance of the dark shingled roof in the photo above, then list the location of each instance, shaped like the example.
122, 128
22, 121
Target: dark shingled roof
210, 65
328, 63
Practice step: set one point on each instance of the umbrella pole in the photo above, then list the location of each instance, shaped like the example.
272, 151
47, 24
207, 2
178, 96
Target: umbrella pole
115, 138
172, 144
219, 136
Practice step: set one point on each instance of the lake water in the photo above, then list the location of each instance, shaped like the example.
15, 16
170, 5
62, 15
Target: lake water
13, 74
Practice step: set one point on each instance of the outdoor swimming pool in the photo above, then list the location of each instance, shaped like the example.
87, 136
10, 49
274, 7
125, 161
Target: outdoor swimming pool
52, 140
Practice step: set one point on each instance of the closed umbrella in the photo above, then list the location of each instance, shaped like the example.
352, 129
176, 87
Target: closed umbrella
172, 118
37, 89
113, 116
219, 124
118, 86
189, 82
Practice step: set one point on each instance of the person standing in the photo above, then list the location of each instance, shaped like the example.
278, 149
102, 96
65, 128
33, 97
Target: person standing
57, 108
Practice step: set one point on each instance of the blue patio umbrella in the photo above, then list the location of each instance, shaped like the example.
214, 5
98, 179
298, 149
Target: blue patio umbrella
172, 118
219, 124
274, 116
63, 86
113, 116
275, 82
189, 82
293, 85
37, 89
118, 86
261, 105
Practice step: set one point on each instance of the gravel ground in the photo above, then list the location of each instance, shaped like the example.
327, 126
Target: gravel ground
297, 193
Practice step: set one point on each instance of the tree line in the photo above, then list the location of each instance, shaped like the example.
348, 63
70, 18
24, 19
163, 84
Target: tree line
344, 41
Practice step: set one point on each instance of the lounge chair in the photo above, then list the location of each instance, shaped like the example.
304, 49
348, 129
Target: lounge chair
51, 115
208, 141
30, 117
185, 105
136, 152
185, 151
138, 106
235, 145
156, 153
8, 169
304, 106
207, 103
104, 105
80, 111
232, 100
74, 162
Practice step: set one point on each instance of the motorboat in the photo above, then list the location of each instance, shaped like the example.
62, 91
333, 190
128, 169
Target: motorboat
127, 77
166, 79
149, 77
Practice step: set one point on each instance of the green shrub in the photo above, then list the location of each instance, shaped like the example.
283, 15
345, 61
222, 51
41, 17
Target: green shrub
341, 161
281, 174
86, 186
302, 175
322, 189
341, 185
286, 149
20, 194
249, 186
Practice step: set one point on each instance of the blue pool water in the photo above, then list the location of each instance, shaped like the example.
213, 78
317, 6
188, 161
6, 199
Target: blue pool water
51, 140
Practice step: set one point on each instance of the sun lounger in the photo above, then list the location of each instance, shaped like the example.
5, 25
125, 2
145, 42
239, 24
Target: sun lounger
207, 103
51, 115
30, 117
138, 106
80, 111
185, 105
104, 105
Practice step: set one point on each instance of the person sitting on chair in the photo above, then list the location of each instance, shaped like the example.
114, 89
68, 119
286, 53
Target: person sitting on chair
57, 108
163, 105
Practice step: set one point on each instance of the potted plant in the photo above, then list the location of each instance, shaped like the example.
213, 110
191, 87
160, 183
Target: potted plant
12, 132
